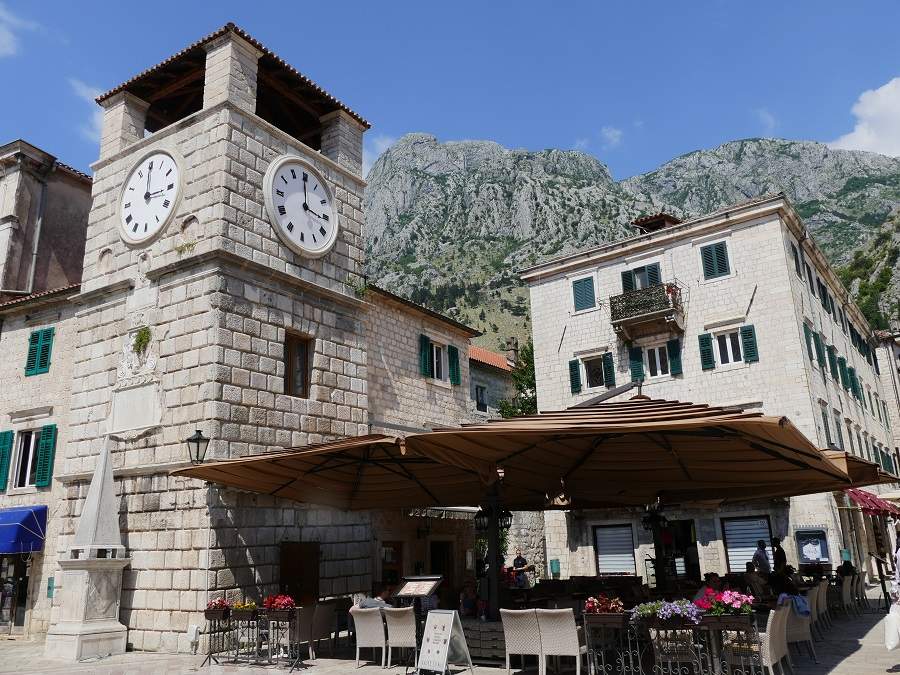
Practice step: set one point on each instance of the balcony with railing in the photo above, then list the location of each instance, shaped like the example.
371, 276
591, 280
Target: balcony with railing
648, 311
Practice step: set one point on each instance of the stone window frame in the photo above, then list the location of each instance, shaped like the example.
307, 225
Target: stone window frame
732, 362
16, 459
290, 340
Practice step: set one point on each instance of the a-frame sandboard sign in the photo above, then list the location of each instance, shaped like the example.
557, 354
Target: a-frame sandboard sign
443, 643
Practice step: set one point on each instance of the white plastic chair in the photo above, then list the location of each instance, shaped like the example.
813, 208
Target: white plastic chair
401, 631
369, 628
799, 628
559, 636
522, 636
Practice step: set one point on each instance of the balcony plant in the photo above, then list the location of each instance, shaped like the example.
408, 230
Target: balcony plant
723, 607
665, 614
244, 611
605, 611
279, 607
217, 610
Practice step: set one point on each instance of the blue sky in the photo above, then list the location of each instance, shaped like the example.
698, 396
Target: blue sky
633, 83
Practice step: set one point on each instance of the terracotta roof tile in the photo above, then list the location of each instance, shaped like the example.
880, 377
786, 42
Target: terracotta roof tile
42, 294
489, 358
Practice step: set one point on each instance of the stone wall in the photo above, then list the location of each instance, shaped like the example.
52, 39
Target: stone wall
498, 386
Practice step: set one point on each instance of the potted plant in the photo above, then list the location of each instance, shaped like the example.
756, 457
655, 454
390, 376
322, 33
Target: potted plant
217, 610
605, 611
279, 607
244, 611
668, 615
725, 609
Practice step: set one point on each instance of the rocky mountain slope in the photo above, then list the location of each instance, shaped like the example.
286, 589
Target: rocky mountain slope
449, 224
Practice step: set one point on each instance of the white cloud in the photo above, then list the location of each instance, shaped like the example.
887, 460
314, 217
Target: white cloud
612, 137
766, 119
373, 148
582, 143
93, 128
877, 128
10, 28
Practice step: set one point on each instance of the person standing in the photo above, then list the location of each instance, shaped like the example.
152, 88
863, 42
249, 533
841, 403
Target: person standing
779, 559
761, 558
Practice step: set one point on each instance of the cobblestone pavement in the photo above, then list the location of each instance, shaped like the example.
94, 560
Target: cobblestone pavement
853, 646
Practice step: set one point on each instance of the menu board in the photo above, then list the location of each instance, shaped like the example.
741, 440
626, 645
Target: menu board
443, 643
417, 587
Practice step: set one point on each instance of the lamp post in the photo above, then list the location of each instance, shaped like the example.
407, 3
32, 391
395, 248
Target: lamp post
197, 444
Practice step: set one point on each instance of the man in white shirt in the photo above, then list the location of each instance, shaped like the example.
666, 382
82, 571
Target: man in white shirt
761, 558
380, 599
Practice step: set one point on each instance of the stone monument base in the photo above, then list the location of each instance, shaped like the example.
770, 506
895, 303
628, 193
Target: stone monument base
76, 643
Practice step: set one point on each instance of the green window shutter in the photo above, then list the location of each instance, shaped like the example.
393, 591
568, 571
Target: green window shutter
707, 357
424, 355
453, 364
842, 369
34, 343
636, 363
808, 334
6, 441
715, 260
721, 251
797, 261
654, 276
820, 352
583, 290
673, 349
832, 362
748, 342
43, 361
46, 450
627, 281
575, 375
609, 370
854, 386
708, 257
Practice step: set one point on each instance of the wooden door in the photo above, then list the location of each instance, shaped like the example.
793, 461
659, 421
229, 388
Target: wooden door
391, 563
442, 563
300, 571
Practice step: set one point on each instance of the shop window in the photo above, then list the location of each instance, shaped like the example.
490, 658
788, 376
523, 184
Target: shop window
298, 353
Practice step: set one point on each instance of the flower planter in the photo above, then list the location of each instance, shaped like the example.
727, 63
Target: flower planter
728, 622
607, 620
216, 614
279, 614
244, 614
675, 623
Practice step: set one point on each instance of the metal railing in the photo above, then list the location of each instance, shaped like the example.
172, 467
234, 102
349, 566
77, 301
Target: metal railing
657, 299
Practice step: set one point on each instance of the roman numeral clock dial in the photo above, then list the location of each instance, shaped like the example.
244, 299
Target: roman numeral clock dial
149, 197
300, 206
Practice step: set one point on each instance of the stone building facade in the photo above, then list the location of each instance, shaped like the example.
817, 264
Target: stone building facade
490, 379
888, 355
736, 308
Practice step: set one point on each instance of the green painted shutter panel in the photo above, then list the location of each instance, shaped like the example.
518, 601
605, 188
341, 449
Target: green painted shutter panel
627, 281
424, 354
453, 364
748, 342
6, 441
842, 369
707, 358
808, 334
851, 374
673, 349
709, 262
721, 251
654, 276
575, 375
820, 352
583, 290
34, 342
609, 370
832, 362
46, 450
46, 346
636, 363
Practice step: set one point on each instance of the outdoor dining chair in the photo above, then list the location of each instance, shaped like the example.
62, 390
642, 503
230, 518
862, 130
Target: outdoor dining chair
771, 649
822, 605
369, 629
799, 628
559, 637
323, 626
401, 630
847, 604
522, 636
301, 630
863, 599
812, 598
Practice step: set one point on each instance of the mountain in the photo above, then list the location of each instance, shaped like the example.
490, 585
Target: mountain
449, 224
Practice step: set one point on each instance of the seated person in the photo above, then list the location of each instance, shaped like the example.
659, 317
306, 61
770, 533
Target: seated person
782, 583
468, 601
846, 569
795, 576
382, 593
755, 583
711, 581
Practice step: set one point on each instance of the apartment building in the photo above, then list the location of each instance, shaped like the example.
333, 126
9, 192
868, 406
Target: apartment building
736, 308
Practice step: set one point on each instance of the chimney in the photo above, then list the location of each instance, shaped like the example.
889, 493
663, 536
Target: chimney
655, 222
512, 350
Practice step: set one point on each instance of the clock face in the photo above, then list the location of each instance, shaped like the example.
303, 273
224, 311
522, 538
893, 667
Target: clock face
300, 206
149, 197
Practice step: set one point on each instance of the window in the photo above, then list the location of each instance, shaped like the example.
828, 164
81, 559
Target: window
40, 346
809, 278
850, 438
657, 361
641, 277
614, 545
812, 546
825, 426
298, 353
715, 260
32, 465
436, 362
728, 347
480, 398
796, 255
859, 444
25, 466
741, 535
439, 362
599, 371
837, 430
583, 294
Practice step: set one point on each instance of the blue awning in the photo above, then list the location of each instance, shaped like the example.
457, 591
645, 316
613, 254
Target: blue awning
22, 529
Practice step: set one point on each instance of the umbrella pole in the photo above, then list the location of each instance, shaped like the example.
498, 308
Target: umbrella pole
493, 554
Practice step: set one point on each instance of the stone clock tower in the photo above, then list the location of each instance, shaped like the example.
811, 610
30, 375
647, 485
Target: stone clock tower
222, 248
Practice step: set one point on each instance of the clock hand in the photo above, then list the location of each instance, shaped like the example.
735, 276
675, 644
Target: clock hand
306, 208
149, 171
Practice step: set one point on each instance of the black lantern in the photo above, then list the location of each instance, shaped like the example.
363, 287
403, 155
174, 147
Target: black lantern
505, 519
197, 445
482, 520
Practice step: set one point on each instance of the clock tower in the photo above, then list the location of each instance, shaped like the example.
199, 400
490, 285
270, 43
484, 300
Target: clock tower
223, 247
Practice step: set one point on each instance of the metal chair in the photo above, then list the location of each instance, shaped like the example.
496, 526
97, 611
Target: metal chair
401, 630
368, 626
559, 636
322, 626
522, 636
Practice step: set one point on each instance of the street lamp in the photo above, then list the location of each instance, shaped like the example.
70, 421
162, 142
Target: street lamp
506, 519
482, 520
197, 444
